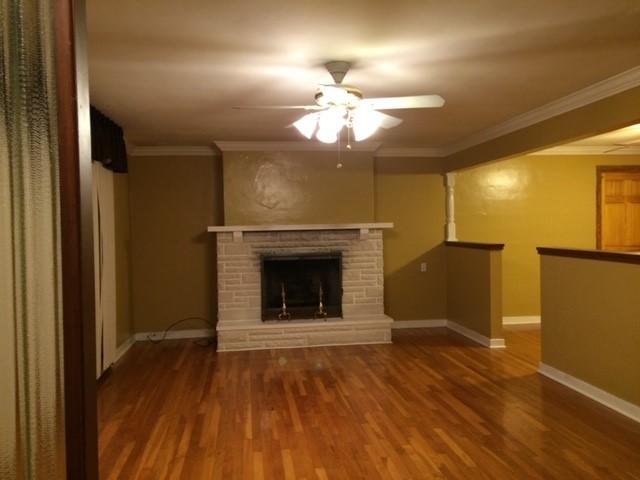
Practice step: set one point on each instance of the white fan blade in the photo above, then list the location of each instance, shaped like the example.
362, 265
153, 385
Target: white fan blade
389, 121
620, 146
615, 149
416, 101
278, 107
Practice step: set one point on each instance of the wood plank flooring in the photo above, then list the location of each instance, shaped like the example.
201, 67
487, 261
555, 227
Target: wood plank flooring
432, 405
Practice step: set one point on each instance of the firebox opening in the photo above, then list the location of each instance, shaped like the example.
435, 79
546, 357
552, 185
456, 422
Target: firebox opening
301, 286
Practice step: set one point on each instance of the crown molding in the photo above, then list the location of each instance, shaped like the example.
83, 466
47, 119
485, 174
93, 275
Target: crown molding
413, 152
171, 150
588, 150
292, 146
593, 93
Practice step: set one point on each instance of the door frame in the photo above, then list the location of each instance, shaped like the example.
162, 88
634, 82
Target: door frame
600, 171
76, 226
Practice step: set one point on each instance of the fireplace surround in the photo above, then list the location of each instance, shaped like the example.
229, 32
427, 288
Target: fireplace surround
249, 300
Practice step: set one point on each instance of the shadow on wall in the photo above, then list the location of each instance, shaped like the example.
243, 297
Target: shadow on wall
414, 295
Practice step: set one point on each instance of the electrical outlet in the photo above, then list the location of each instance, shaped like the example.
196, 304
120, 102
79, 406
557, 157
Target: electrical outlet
423, 267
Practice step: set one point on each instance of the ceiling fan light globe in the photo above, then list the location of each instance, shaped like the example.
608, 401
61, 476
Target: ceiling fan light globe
307, 124
365, 122
327, 136
330, 122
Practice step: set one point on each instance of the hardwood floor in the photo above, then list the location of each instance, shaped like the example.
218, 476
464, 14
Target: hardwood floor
432, 405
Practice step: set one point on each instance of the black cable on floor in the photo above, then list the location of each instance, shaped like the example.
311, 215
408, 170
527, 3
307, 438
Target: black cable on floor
207, 342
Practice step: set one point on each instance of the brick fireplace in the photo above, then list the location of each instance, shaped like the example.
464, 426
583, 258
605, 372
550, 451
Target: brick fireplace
246, 323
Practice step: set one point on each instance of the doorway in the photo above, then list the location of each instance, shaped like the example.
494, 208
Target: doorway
618, 208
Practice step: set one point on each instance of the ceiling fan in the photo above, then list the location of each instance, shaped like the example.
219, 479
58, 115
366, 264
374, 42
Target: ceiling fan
338, 105
621, 146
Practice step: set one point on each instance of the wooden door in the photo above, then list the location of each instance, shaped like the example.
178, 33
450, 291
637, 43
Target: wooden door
619, 209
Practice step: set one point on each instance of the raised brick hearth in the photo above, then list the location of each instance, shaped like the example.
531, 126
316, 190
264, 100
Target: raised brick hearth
239, 297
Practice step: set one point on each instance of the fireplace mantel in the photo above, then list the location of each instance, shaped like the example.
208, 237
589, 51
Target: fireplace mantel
299, 228
239, 230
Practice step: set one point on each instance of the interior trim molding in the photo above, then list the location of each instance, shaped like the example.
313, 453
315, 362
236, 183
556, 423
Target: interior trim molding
293, 146
603, 397
589, 150
124, 348
171, 150
431, 323
410, 152
475, 336
175, 334
580, 98
521, 320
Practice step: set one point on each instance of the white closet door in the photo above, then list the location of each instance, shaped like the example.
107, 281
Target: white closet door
105, 266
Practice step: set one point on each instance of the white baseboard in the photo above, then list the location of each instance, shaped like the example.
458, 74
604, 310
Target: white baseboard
456, 327
176, 334
475, 336
624, 407
124, 348
521, 320
441, 322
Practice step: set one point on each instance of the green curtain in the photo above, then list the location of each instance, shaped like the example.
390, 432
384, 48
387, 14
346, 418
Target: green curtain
31, 389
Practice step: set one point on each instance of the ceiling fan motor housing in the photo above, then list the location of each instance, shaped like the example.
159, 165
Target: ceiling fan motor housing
347, 88
338, 69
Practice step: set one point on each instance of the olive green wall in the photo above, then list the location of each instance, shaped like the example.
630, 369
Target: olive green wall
591, 322
297, 187
526, 202
410, 193
172, 200
124, 327
474, 293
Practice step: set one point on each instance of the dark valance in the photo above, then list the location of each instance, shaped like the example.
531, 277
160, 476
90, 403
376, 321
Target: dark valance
107, 142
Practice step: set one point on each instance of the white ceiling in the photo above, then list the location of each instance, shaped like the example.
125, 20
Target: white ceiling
169, 72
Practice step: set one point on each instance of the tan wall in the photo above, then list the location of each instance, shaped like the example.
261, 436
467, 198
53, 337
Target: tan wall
409, 193
297, 187
474, 289
526, 202
172, 200
124, 327
591, 322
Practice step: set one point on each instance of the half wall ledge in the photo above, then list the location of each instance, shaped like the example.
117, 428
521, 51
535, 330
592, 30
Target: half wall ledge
605, 255
478, 245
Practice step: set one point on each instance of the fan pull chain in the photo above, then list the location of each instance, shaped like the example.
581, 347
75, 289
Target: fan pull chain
349, 126
339, 164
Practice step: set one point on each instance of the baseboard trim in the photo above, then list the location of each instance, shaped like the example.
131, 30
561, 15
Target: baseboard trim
475, 336
396, 325
124, 348
621, 406
175, 334
521, 320
434, 323
285, 347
